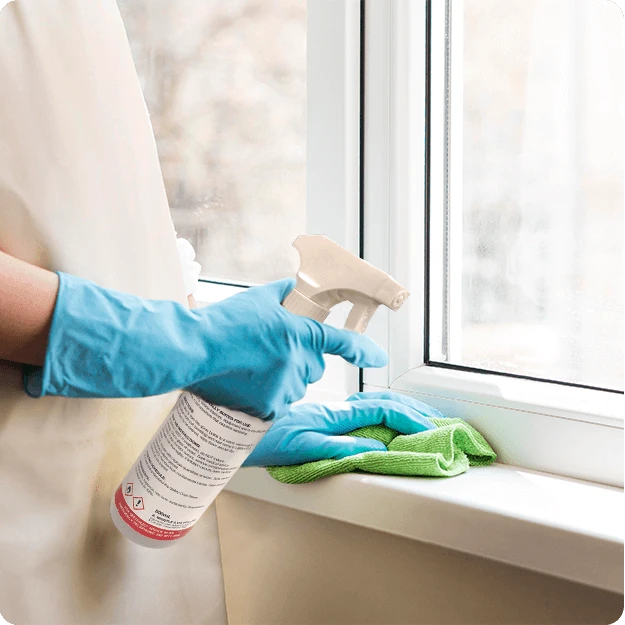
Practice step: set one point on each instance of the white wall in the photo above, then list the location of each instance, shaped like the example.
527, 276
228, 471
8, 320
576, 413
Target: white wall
284, 567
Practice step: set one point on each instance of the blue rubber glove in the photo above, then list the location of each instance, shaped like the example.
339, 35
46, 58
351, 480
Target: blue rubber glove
246, 352
315, 431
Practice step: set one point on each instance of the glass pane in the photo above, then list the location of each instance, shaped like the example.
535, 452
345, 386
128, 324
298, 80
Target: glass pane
225, 85
536, 190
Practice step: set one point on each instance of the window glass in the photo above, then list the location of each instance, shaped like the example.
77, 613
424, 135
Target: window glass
225, 85
535, 196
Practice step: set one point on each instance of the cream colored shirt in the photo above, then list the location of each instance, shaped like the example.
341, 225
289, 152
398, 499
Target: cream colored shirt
81, 192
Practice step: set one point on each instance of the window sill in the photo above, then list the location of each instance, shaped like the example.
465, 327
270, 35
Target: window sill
559, 526
544, 427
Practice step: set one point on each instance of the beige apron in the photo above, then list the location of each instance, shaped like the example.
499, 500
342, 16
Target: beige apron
81, 192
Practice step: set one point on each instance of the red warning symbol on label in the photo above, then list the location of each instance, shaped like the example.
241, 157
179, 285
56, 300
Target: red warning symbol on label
128, 489
137, 503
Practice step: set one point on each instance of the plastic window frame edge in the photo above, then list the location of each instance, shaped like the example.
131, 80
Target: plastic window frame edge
332, 158
539, 425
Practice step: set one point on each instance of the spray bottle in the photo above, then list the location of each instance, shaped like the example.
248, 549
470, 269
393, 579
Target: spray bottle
200, 445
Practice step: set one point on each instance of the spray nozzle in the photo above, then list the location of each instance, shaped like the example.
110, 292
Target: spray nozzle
329, 274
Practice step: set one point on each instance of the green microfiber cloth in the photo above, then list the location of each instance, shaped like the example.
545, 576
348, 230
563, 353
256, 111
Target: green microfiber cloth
445, 451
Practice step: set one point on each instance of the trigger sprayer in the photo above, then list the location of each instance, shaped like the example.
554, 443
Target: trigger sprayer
200, 445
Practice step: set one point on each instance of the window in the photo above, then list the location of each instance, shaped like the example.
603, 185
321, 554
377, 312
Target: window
225, 85
485, 173
526, 206
493, 190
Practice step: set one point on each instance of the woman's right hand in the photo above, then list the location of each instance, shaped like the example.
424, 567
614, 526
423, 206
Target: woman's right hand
267, 356
246, 352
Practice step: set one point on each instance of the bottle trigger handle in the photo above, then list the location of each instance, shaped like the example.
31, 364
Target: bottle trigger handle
329, 274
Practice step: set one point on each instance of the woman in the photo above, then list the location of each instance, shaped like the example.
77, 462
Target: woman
91, 315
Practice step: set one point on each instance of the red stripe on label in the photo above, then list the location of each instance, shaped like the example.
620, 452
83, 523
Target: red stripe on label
141, 526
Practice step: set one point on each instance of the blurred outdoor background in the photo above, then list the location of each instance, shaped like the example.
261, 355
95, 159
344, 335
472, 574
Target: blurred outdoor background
542, 164
542, 201
225, 85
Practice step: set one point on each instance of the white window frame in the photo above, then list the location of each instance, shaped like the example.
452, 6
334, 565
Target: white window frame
566, 430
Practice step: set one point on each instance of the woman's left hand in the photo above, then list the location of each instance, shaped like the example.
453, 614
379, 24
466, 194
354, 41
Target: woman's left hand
312, 432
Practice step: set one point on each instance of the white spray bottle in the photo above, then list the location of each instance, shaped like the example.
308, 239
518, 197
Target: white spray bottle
199, 446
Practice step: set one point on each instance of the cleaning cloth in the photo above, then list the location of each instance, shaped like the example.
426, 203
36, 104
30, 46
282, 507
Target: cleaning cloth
445, 451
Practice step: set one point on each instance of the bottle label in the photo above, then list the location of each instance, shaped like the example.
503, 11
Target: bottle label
184, 467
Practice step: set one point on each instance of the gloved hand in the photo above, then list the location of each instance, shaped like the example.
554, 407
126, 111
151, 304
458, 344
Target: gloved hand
315, 431
246, 352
